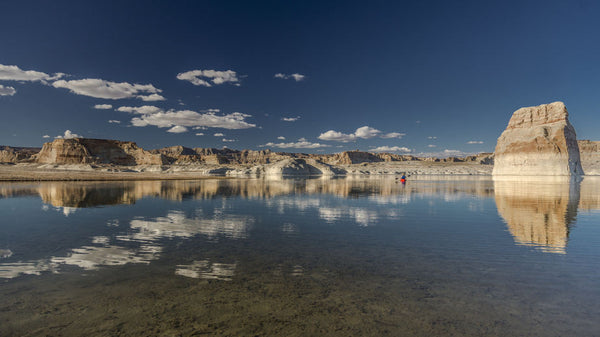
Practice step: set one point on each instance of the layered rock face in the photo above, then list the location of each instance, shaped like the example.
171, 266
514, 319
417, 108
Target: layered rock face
13, 155
538, 141
590, 156
96, 151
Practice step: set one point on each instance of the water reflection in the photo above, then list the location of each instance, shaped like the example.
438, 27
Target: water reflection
385, 190
205, 269
539, 213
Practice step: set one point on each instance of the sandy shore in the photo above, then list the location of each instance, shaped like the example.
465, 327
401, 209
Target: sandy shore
35, 172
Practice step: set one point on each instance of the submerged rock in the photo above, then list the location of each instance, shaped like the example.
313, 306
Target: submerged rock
538, 141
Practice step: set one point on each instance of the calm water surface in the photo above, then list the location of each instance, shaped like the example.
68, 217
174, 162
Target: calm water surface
343, 257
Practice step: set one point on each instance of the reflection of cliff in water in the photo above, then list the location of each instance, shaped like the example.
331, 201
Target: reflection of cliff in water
89, 194
538, 213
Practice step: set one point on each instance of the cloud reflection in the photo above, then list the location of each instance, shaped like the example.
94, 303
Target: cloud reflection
204, 269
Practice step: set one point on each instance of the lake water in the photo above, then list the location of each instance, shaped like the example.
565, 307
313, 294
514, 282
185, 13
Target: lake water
340, 257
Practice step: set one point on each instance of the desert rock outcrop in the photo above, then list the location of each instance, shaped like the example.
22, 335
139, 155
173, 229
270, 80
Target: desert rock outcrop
538, 141
96, 151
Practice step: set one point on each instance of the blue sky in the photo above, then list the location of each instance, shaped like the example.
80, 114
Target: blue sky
417, 77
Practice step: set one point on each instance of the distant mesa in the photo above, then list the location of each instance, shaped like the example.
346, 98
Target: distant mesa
538, 141
86, 154
95, 151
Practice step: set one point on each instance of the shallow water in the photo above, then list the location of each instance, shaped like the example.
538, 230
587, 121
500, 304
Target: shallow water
345, 257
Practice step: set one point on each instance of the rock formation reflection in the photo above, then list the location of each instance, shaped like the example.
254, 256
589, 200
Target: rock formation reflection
384, 190
539, 213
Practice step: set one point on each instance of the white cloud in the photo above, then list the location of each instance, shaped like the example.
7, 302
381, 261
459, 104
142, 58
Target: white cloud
68, 135
447, 151
300, 144
218, 134
205, 77
475, 142
152, 98
98, 88
337, 136
432, 137
103, 106
364, 132
177, 129
7, 91
391, 149
199, 134
142, 110
46, 136
14, 73
296, 77
431, 145
228, 140
235, 120
393, 135
114, 121
281, 138
290, 119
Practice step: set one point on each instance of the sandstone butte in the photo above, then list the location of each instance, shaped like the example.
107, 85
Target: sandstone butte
538, 141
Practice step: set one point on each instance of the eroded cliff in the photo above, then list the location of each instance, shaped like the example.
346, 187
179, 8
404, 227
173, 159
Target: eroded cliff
538, 141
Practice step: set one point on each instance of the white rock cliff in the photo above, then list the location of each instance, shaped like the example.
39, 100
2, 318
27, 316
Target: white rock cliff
538, 141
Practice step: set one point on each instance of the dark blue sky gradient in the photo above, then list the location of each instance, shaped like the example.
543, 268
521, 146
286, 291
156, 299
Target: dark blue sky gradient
455, 71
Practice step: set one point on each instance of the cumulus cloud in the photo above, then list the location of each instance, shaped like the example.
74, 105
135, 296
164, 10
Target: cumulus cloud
393, 135
14, 73
218, 134
300, 144
199, 134
391, 149
431, 145
7, 91
337, 136
290, 119
281, 138
207, 78
114, 121
46, 136
103, 106
98, 88
142, 110
68, 135
228, 140
152, 98
177, 129
452, 152
364, 132
296, 77
188, 118
432, 137
475, 142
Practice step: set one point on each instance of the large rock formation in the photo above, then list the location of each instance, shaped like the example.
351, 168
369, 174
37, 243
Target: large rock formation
96, 151
590, 156
538, 141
